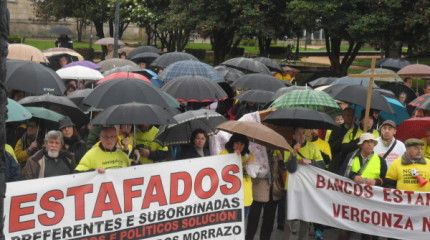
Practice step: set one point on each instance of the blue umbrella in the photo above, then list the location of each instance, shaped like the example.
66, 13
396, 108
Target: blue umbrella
190, 68
353, 81
16, 112
151, 75
400, 115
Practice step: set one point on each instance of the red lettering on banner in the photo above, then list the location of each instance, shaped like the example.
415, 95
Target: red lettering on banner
52, 206
229, 177
107, 189
129, 194
320, 183
198, 188
409, 224
369, 191
156, 184
16, 211
346, 186
185, 177
409, 193
426, 224
79, 194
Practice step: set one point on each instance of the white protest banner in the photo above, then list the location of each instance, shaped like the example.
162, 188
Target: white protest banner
187, 199
318, 196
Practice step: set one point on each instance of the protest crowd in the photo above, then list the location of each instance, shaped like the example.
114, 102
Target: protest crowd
149, 107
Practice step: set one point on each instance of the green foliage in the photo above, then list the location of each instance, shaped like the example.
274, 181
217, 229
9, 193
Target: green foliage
16, 39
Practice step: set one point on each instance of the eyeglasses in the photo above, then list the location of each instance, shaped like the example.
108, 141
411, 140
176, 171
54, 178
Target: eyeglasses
109, 137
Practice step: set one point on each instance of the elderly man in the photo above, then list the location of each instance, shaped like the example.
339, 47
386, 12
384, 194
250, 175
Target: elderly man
402, 174
51, 160
365, 167
389, 148
105, 155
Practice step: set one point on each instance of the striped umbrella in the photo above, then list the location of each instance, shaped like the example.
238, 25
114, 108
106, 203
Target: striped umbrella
190, 68
311, 99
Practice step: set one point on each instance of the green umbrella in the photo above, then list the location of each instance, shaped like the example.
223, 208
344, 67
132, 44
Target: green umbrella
312, 99
16, 112
44, 113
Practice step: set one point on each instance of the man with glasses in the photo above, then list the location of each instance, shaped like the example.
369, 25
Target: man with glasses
105, 155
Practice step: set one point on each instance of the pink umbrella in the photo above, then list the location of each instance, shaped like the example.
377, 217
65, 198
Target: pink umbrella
108, 41
123, 75
415, 70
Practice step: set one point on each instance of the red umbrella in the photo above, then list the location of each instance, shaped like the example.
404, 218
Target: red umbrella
123, 75
413, 128
422, 102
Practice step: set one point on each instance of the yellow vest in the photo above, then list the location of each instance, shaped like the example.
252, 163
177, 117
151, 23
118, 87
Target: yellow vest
147, 140
96, 158
349, 137
426, 148
10, 150
402, 174
372, 170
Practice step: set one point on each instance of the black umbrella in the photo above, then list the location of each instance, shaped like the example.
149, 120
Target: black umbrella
229, 74
322, 81
270, 63
33, 78
59, 104
172, 57
147, 57
122, 91
301, 117
194, 89
387, 93
247, 65
357, 94
78, 96
180, 133
284, 90
134, 113
257, 96
143, 49
61, 30
259, 81
398, 88
392, 63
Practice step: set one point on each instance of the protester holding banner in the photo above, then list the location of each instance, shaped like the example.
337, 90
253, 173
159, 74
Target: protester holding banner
150, 151
239, 144
389, 148
410, 172
51, 160
197, 147
306, 153
105, 155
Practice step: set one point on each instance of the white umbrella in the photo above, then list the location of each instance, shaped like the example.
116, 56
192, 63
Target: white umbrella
79, 73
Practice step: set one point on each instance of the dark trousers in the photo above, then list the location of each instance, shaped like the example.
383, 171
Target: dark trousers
268, 219
282, 204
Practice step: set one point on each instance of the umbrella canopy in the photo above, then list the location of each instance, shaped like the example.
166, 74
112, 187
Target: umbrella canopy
270, 63
395, 78
392, 63
172, 57
123, 75
16, 112
353, 81
143, 49
415, 70
422, 102
357, 94
322, 81
123, 91
134, 113
59, 104
311, 99
386, 93
301, 117
229, 74
79, 73
194, 89
62, 51
284, 90
26, 53
84, 63
257, 96
109, 64
33, 78
247, 65
258, 133
259, 81
127, 68
187, 122
151, 75
413, 128
108, 41
79, 95
60, 30
145, 56
190, 68
398, 88
44, 113
400, 113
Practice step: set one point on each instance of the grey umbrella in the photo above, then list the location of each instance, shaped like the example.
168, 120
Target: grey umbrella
61, 30
301, 117
247, 65
143, 49
109, 64
259, 81
127, 68
190, 68
322, 81
393, 63
172, 57
79, 95
180, 133
257, 96
270, 63
145, 56
229, 74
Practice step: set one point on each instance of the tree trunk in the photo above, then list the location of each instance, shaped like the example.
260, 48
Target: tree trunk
222, 40
264, 45
80, 24
333, 50
4, 33
111, 28
99, 29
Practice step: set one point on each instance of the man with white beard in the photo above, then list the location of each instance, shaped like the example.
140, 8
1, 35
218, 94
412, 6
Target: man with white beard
51, 160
